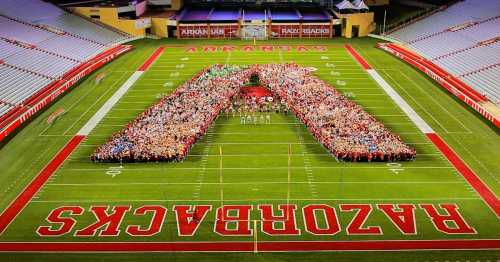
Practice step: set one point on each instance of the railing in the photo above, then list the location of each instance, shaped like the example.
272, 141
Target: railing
455, 86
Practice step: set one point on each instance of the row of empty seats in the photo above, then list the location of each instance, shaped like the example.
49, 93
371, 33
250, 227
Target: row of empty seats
39, 43
41, 62
476, 58
7, 49
453, 39
459, 13
74, 48
18, 85
81, 27
4, 108
22, 32
488, 79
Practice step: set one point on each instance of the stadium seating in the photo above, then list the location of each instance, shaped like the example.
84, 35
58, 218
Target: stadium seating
23, 32
453, 39
72, 47
39, 43
83, 28
25, 84
40, 62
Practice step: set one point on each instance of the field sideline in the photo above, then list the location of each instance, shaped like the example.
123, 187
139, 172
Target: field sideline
253, 166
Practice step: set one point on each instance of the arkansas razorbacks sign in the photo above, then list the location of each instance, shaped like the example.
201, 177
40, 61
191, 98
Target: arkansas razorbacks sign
236, 220
206, 31
296, 30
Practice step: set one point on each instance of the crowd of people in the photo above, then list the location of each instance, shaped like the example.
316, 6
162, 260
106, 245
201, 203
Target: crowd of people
342, 126
168, 129
254, 110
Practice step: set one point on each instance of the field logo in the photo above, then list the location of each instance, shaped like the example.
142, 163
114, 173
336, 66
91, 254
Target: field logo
236, 220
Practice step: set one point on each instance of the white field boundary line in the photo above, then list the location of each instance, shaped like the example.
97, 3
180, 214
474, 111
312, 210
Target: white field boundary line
104, 110
414, 117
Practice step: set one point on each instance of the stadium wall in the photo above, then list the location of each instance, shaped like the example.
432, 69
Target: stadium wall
365, 21
300, 30
51, 92
159, 26
109, 16
456, 87
203, 31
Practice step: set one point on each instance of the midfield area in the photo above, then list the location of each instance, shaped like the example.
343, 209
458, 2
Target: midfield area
266, 164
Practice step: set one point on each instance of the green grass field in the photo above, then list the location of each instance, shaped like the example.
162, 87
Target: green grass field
253, 168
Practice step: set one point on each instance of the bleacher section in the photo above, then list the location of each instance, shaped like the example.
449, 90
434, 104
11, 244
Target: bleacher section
454, 39
80, 27
75, 48
26, 84
453, 84
40, 47
22, 32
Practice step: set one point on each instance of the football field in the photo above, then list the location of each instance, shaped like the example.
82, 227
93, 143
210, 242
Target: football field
276, 166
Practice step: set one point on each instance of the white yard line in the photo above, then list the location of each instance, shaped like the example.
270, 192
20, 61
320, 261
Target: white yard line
263, 168
254, 200
203, 169
253, 183
228, 58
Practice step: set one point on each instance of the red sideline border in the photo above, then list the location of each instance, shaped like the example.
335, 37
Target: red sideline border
357, 57
486, 194
151, 59
248, 246
221, 246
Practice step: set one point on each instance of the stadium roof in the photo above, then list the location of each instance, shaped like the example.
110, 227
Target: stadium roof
359, 4
345, 5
